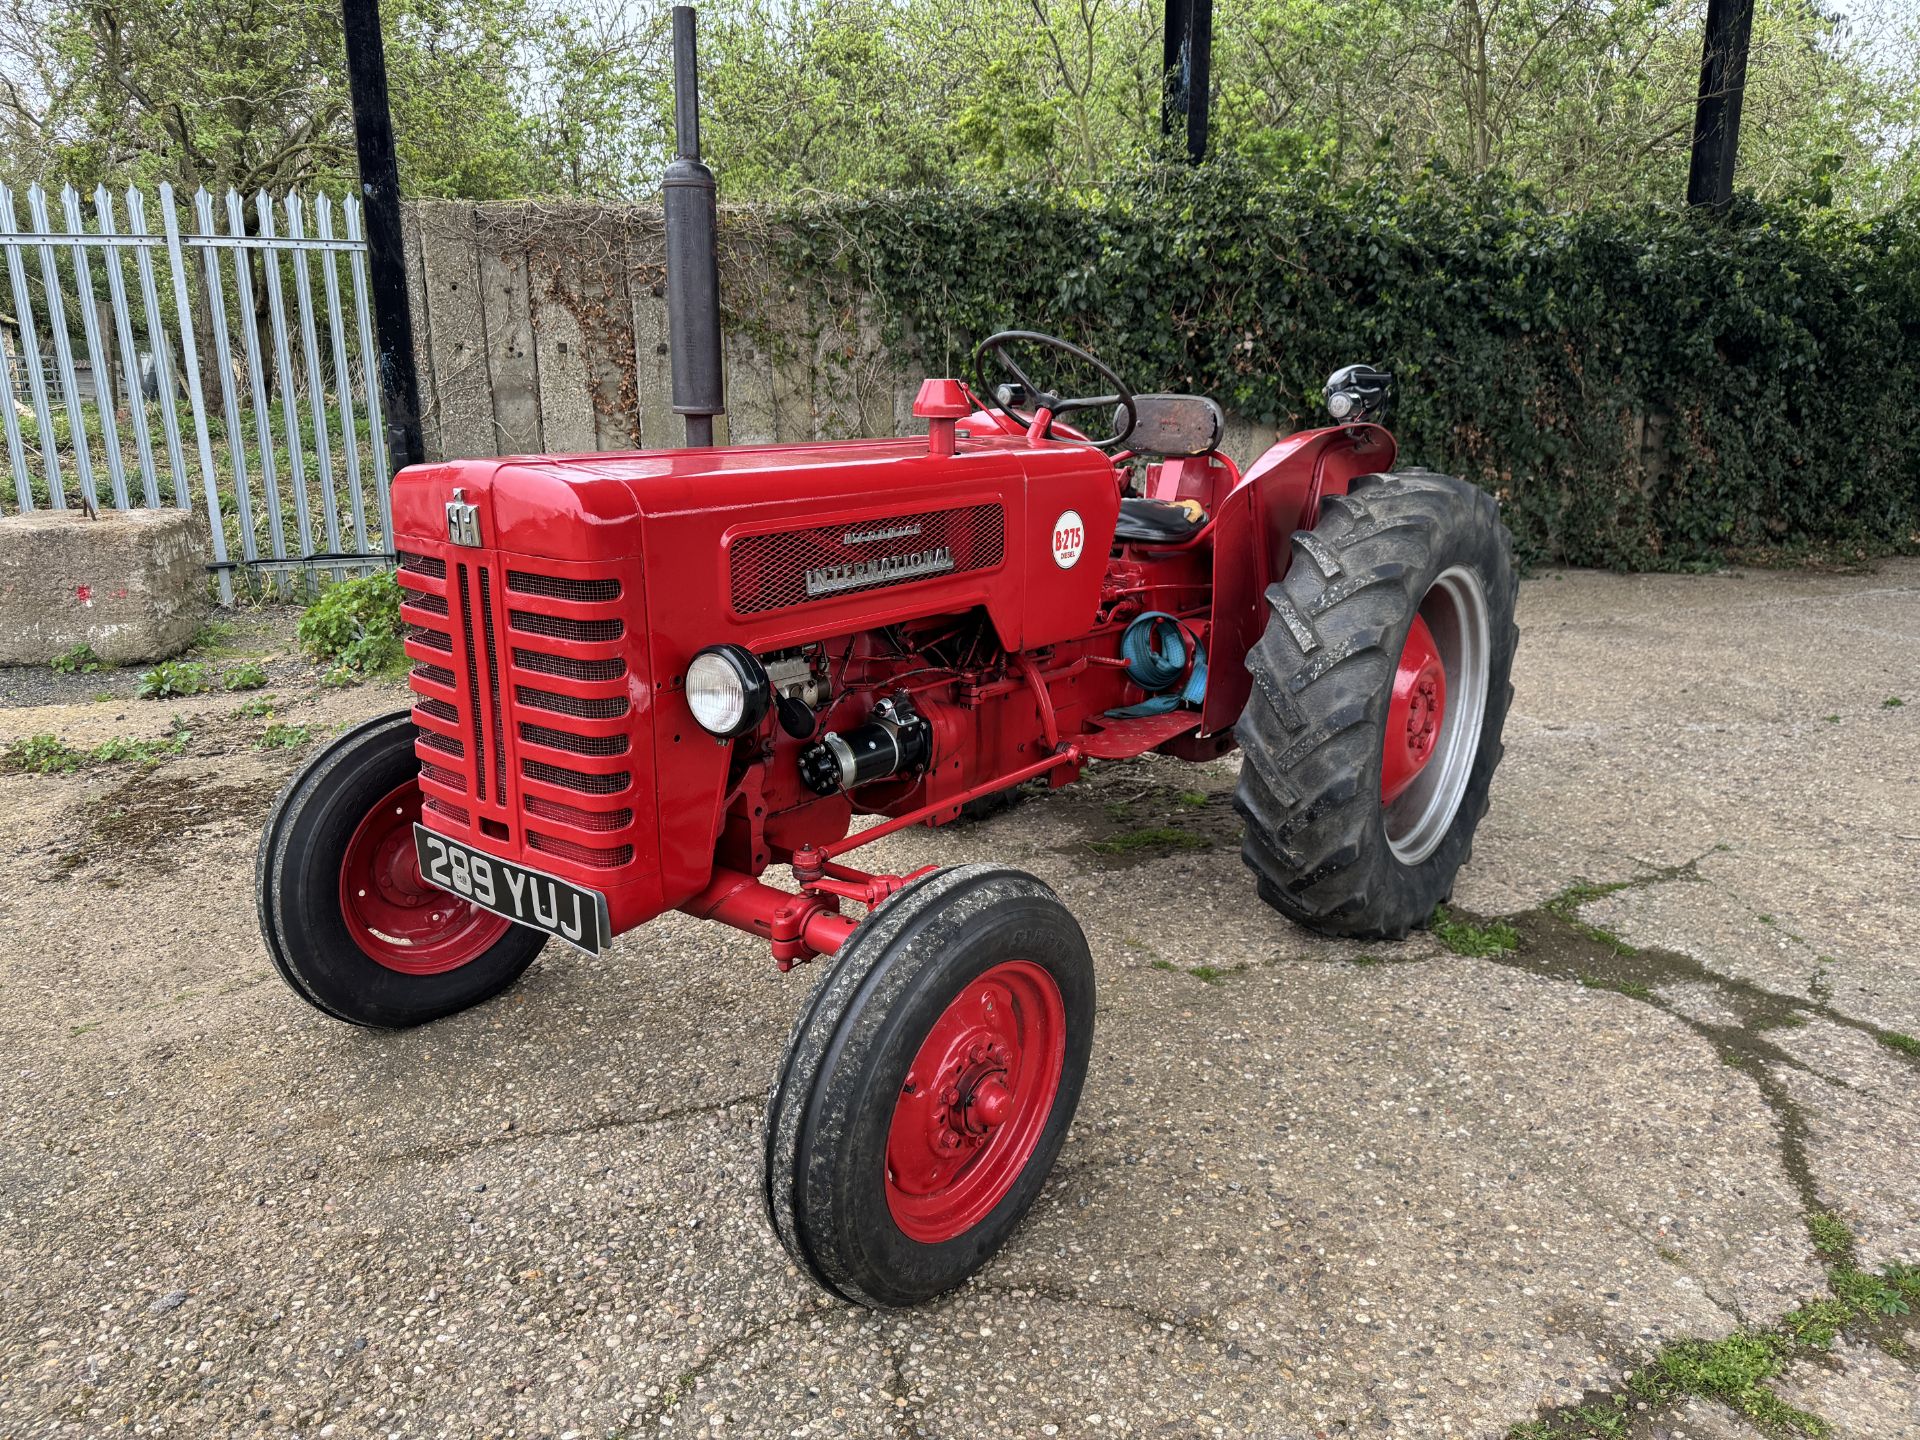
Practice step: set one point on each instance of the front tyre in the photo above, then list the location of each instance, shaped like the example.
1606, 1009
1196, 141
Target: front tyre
1380, 690
346, 917
928, 1085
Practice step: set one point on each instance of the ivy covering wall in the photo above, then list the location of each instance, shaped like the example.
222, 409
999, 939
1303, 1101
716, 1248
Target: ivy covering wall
1645, 389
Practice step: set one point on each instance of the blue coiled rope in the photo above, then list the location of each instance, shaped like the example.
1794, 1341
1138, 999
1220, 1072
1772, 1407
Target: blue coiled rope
1155, 649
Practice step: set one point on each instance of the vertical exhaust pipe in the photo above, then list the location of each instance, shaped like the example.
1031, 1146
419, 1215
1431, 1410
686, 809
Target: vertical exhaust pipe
693, 263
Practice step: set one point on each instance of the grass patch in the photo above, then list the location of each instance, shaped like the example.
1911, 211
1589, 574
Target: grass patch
1477, 942
80, 660
1151, 837
1892, 702
250, 676
214, 636
1207, 974
173, 678
1906, 1044
286, 737
355, 628
50, 755
1192, 799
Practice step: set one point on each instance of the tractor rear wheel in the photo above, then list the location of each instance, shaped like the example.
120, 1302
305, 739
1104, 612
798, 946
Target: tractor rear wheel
929, 1084
348, 921
1380, 690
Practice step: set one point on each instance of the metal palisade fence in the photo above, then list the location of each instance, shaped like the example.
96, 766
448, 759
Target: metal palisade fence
203, 364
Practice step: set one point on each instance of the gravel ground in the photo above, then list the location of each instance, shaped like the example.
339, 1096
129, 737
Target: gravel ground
1315, 1189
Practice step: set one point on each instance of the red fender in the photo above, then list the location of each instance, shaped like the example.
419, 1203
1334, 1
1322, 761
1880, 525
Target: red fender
1253, 528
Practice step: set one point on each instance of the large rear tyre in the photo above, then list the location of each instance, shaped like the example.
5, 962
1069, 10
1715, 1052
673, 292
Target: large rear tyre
348, 921
1380, 690
928, 1085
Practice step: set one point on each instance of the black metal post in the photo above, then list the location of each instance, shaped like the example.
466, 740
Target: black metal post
386, 251
1186, 70
693, 261
1716, 118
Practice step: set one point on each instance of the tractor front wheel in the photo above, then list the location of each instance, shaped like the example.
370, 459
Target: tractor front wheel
1380, 689
929, 1084
347, 919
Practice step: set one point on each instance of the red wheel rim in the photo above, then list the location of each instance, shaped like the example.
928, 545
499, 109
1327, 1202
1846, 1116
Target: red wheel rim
1414, 714
394, 915
975, 1101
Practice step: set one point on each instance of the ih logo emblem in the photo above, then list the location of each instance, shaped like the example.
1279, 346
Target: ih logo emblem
1069, 539
463, 520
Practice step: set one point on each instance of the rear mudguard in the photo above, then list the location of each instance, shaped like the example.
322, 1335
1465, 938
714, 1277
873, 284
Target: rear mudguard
1279, 494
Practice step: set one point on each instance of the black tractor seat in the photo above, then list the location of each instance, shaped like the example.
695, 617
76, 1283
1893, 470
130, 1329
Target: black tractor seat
1158, 522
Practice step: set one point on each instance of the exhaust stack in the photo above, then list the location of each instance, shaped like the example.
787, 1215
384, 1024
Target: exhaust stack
693, 264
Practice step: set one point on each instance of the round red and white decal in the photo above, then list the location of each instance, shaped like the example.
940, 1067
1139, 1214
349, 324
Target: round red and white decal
1069, 539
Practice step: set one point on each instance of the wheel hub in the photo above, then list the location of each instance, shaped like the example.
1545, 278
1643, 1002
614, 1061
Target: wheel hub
974, 1101
393, 915
1415, 712
1440, 690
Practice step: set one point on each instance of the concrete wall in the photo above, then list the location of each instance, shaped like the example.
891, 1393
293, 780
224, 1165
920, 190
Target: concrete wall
543, 327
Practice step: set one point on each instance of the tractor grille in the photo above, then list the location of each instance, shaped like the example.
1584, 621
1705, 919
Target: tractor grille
522, 707
796, 567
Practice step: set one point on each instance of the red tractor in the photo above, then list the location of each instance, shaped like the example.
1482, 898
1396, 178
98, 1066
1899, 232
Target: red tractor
642, 680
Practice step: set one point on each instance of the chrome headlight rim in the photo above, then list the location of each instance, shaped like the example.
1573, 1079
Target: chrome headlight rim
739, 666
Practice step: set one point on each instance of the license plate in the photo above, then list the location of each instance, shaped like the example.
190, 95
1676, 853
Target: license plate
542, 902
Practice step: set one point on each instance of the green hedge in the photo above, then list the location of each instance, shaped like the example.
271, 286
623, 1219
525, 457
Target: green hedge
1647, 389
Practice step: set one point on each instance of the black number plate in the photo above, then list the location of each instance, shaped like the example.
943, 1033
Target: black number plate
543, 902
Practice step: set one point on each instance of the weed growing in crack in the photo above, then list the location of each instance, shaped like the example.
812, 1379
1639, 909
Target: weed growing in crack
1894, 1040
1632, 989
1477, 942
1734, 1371
1830, 1235
1891, 1292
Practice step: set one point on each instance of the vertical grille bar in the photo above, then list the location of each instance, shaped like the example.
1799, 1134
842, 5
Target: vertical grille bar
473, 689
493, 688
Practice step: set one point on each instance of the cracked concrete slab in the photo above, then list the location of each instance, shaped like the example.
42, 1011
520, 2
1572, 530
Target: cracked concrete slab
1863, 1392
1317, 1189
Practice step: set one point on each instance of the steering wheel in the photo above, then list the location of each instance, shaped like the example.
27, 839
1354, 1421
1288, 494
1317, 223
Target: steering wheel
1055, 405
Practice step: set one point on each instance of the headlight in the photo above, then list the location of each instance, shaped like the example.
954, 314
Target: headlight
727, 690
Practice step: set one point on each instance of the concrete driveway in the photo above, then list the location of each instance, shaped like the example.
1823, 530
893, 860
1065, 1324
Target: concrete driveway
1315, 1188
